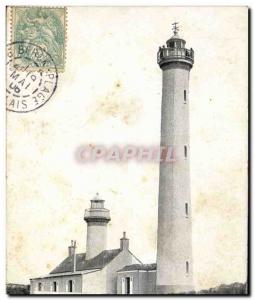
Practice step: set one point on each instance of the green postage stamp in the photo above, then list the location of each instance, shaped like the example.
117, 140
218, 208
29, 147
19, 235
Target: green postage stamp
44, 27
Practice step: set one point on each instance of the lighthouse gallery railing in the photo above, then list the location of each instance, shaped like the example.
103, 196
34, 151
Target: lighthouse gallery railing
182, 53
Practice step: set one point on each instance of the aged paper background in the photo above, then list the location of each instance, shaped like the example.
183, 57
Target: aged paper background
110, 93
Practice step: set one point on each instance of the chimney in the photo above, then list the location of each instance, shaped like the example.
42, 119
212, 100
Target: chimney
71, 248
124, 242
72, 252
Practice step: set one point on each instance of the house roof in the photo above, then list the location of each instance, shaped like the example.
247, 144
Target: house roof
135, 267
97, 262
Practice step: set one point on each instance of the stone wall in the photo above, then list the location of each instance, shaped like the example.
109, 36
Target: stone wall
94, 282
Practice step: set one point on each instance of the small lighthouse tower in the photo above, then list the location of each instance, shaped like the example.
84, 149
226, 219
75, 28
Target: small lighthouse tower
174, 242
97, 218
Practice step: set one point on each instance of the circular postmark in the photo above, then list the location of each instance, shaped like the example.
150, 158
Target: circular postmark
31, 77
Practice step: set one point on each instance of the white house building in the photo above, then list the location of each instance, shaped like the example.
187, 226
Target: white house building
93, 272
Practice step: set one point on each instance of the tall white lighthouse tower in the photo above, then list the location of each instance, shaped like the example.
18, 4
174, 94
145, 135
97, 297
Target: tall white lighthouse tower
174, 244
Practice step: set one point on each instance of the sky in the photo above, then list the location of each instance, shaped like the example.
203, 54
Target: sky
109, 93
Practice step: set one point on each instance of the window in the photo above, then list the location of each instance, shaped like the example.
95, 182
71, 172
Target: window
185, 151
54, 286
70, 286
171, 45
185, 96
39, 286
187, 267
186, 209
96, 204
178, 44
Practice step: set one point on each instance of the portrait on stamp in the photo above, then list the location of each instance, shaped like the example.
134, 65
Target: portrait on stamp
44, 27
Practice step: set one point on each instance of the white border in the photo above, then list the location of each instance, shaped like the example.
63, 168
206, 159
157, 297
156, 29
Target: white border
5, 3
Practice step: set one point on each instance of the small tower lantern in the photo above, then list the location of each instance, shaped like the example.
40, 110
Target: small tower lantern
175, 51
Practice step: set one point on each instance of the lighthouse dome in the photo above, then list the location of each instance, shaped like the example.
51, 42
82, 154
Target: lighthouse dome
175, 42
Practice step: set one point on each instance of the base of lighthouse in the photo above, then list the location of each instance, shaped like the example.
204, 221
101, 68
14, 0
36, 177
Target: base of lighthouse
174, 289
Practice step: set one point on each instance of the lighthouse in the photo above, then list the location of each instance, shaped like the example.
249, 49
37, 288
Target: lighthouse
97, 218
174, 242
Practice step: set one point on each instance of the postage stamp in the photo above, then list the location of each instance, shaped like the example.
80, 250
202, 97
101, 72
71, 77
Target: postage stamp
44, 27
31, 77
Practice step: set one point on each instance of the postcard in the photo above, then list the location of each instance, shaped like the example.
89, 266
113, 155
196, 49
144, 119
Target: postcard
127, 150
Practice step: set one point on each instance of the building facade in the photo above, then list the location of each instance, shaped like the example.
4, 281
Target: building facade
137, 279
